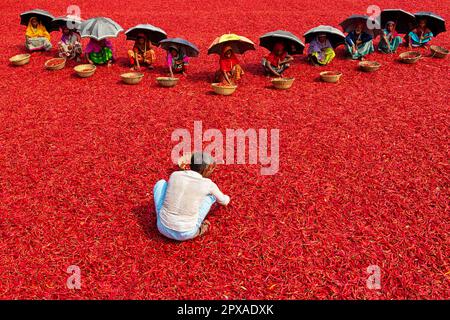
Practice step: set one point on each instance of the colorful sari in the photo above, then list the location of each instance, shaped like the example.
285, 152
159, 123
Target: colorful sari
70, 46
363, 42
100, 52
392, 38
420, 38
143, 53
179, 62
321, 53
273, 61
230, 66
37, 38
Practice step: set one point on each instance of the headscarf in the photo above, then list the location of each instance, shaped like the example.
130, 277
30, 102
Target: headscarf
146, 46
227, 64
70, 38
392, 34
181, 56
96, 46
39, 31
317, 46
273, 58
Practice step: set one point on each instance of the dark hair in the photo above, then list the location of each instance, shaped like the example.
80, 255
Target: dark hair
200, 161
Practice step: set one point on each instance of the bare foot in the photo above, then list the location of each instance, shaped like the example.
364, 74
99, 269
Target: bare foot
203, 228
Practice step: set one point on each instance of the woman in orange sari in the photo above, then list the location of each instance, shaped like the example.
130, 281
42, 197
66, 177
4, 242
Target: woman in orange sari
142, 52
230, 70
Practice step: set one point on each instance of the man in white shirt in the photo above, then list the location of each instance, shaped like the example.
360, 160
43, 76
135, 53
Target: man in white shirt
183, 203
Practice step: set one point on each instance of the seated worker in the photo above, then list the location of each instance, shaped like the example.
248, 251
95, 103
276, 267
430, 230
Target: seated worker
142, 53
359, 43
276, 62
183, 203
37, 37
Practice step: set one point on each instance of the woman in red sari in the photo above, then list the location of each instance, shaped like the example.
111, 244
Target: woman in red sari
230, 70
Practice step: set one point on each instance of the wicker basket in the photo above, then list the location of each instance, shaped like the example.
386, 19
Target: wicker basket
330, 76
85, 70
167, 82
410, 57
20, 59
132, 77
224, 90
369, 66
438, 52
283, 83
55, 64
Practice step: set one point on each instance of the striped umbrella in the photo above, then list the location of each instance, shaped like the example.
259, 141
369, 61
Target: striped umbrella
239, 44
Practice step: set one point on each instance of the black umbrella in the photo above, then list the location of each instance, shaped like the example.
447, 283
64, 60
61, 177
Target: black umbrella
349, 24
100, 28
404, 20
154, 34
292, 44
71, 22
43, 16
434, 22
335, 36
189, 48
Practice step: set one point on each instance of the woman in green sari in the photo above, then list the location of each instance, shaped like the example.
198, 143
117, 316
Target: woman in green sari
99, 52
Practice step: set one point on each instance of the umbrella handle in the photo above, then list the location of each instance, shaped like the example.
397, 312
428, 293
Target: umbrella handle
137, 60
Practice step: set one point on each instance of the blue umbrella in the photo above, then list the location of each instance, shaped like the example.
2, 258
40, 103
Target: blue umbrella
189, 48
100, 28
154, 34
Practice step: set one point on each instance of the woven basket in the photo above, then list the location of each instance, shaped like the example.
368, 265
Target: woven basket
85, 70
283, 83
132, 77
438, 52
20, 59
50, 66
167, 82
369, 66
223, 90
410, 57
330, 76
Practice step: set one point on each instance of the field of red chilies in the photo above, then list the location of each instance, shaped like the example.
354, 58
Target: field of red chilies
363, 179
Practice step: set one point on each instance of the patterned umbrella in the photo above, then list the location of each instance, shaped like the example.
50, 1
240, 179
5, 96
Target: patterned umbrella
434, 22
189, 48
69, 21
100, 28
335, 36
404, 20
43, 16
238, 43
154, 34
293, 44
